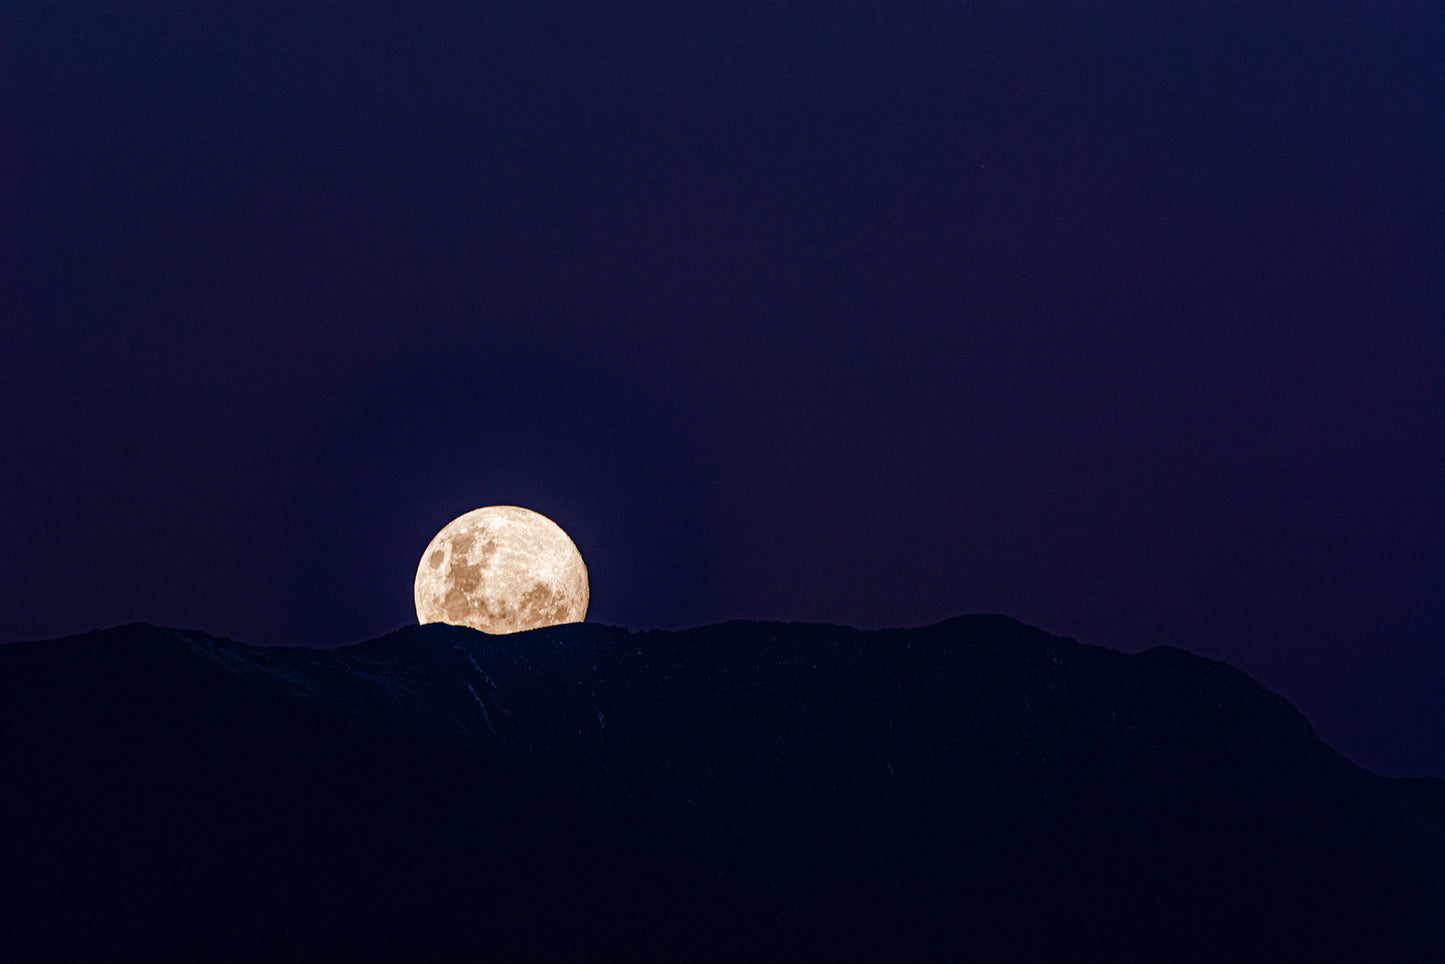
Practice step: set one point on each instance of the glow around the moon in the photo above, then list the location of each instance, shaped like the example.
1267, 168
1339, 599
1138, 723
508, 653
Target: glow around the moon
501, 569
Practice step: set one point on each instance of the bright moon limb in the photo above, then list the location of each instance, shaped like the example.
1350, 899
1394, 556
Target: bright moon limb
501, 569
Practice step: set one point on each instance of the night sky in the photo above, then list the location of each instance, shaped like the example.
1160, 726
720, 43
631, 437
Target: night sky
1122, 319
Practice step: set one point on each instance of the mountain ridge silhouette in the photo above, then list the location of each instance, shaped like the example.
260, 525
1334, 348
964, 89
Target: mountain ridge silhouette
975, 789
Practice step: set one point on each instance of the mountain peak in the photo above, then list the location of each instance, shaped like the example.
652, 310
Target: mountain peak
977, 787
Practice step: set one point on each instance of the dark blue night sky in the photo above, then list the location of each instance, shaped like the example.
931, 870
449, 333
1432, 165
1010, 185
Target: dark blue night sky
1121, 319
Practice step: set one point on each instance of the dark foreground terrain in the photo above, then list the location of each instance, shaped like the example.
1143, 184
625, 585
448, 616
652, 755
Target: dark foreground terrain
974, 790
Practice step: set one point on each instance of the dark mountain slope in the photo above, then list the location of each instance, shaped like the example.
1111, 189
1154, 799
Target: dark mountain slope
976, 789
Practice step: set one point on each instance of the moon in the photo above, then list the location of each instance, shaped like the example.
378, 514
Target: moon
501, 569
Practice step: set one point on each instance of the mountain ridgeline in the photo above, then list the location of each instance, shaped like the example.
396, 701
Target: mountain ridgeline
973, 790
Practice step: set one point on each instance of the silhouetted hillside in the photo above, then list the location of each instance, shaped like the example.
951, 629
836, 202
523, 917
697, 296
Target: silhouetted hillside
972, 790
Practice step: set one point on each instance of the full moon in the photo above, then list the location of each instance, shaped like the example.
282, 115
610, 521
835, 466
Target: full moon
501, 569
